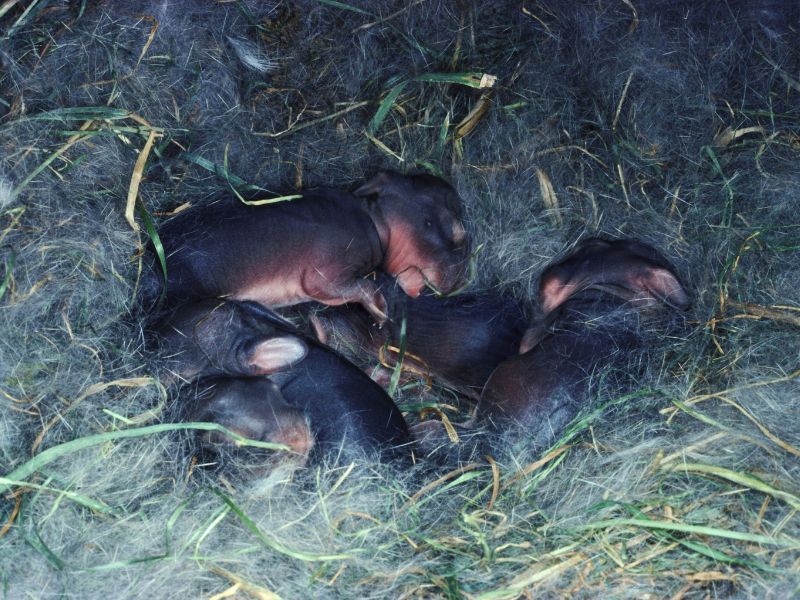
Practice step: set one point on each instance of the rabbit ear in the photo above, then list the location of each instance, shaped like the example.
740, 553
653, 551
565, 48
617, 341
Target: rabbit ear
663, 285
373, 186
318, 327
533, 335
276, 354
626, 268
554, 291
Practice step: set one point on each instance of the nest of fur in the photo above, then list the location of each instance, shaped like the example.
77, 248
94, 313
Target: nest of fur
677, 123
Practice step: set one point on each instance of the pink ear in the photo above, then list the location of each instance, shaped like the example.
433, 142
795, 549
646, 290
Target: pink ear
553, 292
664, 286
533, 335
319, 329
277, 354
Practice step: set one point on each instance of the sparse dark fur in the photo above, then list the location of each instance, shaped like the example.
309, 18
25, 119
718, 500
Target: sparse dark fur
317, 247
455, 340
348, 413
594, 341
605, 305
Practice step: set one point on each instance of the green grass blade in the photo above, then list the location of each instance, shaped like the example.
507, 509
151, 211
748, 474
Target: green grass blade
384, 108
95, 505
444, 129
31, 11
516, 588
173, 518
152, 233
468, 476
473, 79
77, 113
67, 448
699, 548
275, 544
45, 163
582, 423
120, 564
37, 543
344, 6
742, 479
430, 167
699, 416
720, 556
220, 171
696, 529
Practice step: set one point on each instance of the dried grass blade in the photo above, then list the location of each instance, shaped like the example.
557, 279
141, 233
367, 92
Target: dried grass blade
275, 200
312, 122
728, 391
623, 96
91, 391
14, 513
553, 454
495, 482
766, 432
766, 312
452, 434
434, 484
136, 178
549, 196
727, 136
151, 36
474, 116
254, 590
634, 16
383, 147
12, 260
527, 578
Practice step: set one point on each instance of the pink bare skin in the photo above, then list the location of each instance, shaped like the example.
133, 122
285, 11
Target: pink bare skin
318, 247
628, 269
255, 409
208, 339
